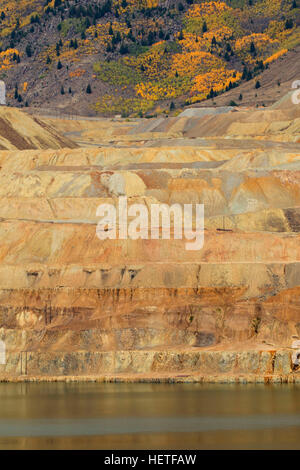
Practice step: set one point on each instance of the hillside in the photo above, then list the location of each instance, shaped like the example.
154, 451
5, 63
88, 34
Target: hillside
18, 131
143, 57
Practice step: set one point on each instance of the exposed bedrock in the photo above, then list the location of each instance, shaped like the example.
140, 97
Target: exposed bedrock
138, 318
73, 305
151, 364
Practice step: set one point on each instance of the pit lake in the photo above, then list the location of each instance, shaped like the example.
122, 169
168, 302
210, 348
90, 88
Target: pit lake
148, 416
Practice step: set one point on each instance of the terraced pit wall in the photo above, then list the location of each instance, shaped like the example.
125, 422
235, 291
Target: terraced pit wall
74, 306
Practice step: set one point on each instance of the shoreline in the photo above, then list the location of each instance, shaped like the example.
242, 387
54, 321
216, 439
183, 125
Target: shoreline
293, 378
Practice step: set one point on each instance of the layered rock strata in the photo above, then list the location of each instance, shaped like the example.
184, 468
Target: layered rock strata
73, 305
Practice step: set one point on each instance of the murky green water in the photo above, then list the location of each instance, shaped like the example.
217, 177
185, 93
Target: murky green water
149, 416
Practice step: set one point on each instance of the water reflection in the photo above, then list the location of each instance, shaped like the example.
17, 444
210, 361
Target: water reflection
58, 415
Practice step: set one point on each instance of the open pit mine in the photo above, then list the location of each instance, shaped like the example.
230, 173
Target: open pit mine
73, 307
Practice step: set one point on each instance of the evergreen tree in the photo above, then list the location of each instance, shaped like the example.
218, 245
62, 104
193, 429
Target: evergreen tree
289, 24
245, 73
28, 50
252, 48
123, 49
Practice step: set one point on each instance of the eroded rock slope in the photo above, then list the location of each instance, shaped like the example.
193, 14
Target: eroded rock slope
71, 304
